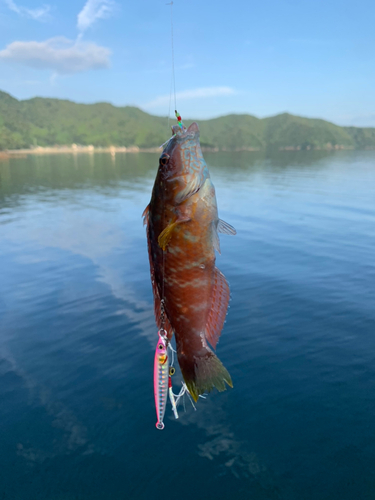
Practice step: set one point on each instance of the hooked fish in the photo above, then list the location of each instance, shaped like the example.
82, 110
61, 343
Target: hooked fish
191, 295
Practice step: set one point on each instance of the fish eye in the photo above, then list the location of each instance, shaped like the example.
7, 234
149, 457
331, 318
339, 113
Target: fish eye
164, 159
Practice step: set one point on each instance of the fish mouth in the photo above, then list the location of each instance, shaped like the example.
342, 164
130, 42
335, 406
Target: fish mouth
186, 133
181, 136
178, 135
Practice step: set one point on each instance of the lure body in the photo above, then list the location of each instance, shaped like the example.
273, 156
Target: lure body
161, 374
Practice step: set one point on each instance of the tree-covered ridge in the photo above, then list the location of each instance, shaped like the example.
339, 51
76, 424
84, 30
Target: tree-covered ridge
48, 122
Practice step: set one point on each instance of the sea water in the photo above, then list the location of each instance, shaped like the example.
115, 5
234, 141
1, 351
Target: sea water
77, 333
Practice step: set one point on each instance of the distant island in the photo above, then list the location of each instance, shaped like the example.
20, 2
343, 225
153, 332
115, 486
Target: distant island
40, 123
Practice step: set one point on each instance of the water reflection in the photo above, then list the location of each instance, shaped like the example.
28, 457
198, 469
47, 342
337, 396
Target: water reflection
85, 172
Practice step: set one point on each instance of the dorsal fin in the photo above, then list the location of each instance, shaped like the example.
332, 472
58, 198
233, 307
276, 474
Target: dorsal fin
219, 305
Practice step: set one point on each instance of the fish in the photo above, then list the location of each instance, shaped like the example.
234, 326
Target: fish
191, 295
161, 376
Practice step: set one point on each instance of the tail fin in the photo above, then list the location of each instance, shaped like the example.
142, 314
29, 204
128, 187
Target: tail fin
203, 372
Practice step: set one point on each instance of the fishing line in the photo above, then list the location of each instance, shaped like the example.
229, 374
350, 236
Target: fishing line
162, 311
169, 109
162, 298
173, 72
173, 79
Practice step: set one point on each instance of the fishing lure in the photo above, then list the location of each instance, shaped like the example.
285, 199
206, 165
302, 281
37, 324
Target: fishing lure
180, 124
161, 376
179, 119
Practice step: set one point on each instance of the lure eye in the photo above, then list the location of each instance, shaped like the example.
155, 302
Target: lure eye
161, 347
164, 159
171, 371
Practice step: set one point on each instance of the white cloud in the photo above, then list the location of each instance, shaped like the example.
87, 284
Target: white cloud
191, 94
58, 54
39, 14
92, 11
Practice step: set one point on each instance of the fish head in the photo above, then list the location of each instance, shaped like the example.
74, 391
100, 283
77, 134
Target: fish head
182, 164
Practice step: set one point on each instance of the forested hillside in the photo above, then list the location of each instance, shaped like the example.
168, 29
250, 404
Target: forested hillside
48, 122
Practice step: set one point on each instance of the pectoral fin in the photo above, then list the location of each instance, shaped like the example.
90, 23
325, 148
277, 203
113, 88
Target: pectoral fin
166, 234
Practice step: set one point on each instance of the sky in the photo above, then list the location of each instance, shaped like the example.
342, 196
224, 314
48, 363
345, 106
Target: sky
313, 58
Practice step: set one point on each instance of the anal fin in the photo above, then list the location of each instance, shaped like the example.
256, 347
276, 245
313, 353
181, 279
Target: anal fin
219, 304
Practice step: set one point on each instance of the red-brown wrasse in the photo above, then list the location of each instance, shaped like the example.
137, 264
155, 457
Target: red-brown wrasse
182, 231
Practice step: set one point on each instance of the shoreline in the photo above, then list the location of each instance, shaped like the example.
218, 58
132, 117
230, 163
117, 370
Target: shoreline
112, 150
74, 149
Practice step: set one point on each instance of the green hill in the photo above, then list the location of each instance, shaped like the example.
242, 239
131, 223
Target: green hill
48, 122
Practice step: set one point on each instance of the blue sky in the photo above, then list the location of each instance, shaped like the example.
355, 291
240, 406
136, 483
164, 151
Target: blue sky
309, 58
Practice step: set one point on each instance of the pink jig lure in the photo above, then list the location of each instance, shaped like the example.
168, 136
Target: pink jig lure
161, 373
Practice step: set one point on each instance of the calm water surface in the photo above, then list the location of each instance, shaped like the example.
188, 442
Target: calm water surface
77, 337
